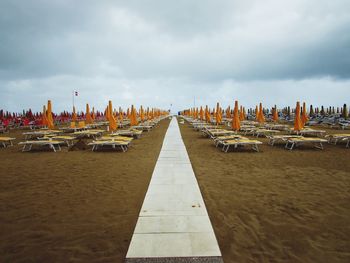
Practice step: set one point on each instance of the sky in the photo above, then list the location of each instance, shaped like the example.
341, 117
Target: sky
173, 54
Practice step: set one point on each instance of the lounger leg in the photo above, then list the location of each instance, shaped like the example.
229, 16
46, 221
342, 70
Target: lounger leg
52, 147
319, 145
348, 144
3, 144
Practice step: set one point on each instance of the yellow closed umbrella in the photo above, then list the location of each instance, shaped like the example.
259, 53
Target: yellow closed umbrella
88, 118
50, 124
298, 125
236, 125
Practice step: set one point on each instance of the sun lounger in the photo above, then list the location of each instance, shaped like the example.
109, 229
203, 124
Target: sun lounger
27, 145
69, 140
123, 145
309, 131
143, 127
264, 132
6, 141
129, 133
221, 139
335, 138
40, 133
241, 142
89, 133
115, 138
295, 142
275, 138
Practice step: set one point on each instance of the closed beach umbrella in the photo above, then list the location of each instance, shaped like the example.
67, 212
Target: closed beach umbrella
201, 114
111, 119
133, 117
88, 117
236, 125
261, 117
217, 115
241, 114
74, 115
50, 124
44, 117
298, 125
207, 114
142, 114
275, 114
257, 113
304, 117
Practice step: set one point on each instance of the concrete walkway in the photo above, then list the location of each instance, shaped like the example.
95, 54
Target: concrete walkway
173, 225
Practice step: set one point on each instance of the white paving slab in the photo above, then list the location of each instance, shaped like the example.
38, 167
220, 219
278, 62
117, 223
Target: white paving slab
173, 224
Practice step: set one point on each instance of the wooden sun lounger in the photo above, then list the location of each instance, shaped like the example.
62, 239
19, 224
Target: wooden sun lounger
27, 145
243, 142
123, 145
6, 141
295, 142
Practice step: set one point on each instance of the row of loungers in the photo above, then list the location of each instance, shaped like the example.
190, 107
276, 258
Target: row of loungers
228, 138
53, 139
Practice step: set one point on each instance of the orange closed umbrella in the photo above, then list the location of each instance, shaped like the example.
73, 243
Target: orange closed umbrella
133, 117
261, 117
244, 115
112, 120
142, 114
304, 117
217, 114
241, 114
88, 118
207, 114
74, 115
50, 124
275, 114
298, 125
236, 125
257, 113
44, 117
201, 114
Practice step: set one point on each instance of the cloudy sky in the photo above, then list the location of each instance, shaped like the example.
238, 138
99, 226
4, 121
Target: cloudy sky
158, 52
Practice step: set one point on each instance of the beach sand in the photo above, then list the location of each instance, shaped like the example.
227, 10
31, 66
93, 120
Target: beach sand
76, 206
276, 205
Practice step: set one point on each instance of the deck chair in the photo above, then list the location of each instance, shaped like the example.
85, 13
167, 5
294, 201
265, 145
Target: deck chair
335, 138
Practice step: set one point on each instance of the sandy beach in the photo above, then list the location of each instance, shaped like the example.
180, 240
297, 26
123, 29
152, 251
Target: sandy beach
76, 206
275, 205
